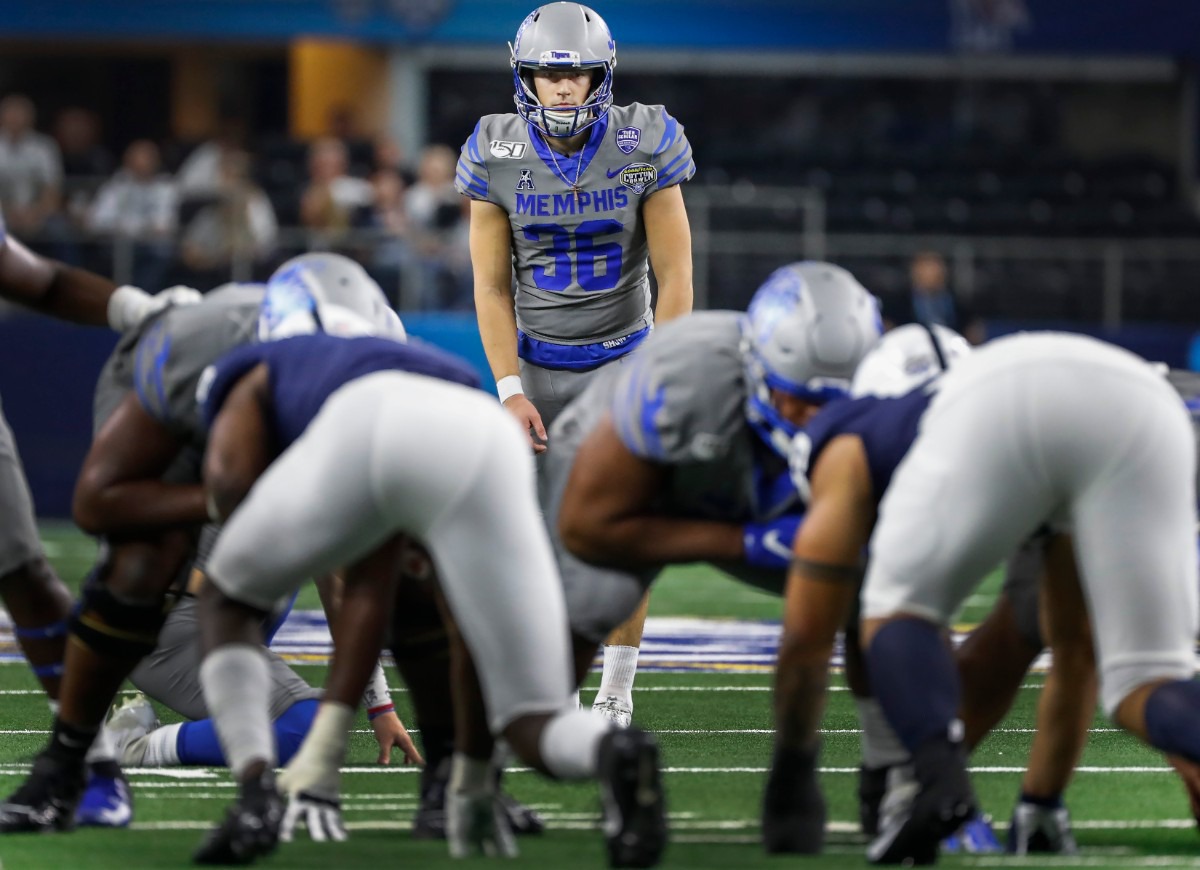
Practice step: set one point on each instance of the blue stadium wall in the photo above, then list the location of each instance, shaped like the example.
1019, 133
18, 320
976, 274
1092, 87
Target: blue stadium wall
48, 371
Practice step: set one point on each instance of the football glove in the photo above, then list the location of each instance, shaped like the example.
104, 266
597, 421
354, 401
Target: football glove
1036, 828
769, 545
476, 822
128, 307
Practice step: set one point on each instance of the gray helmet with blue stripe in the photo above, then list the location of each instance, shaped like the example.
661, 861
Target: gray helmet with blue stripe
806, 330
325, 292
563, 36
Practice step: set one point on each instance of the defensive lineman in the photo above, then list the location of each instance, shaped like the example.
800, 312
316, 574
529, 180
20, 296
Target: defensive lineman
1080, 436
461, 482
577, 195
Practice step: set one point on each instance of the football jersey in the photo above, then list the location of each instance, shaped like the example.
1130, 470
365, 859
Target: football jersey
887, 428
680, 400
306, 370
172, 354
579, 246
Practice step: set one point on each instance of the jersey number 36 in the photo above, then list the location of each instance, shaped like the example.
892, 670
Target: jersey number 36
597, 265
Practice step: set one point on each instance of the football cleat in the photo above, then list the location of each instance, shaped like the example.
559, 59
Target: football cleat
793, 819
631, 793
250, 829
429, 822
976, 837
1036, 828
107, 802
47, 799
945, 800
128, 727
614, 709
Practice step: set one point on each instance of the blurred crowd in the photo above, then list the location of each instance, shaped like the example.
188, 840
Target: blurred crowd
220, 209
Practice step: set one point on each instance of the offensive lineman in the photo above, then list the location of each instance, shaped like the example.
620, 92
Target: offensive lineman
1077, 435
577, 195
36, 599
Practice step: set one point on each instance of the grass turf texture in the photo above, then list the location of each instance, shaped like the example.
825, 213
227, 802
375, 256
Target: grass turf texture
1129, 811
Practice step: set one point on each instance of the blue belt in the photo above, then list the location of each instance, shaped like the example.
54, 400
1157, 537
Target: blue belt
576, 357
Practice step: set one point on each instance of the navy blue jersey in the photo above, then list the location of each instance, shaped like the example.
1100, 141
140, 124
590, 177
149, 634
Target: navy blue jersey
304, 371
887, 428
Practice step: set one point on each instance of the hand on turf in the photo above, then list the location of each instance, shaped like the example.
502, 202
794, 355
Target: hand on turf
529, 418
389, 732
320, 815
476, 824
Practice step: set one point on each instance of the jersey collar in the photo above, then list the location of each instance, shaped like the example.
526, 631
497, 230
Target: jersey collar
569, 165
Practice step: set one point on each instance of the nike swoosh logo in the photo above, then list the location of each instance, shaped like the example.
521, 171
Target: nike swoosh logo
612, 173
774, 544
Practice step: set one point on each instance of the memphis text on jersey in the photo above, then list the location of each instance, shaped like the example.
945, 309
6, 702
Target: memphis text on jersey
554, 204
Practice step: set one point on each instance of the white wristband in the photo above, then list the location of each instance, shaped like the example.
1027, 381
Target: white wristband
127, 307
509, 386
377, 694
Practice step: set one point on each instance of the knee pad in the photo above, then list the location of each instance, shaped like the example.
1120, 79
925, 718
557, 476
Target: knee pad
109, 626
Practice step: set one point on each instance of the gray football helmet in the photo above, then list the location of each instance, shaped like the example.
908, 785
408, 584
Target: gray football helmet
805, 332
309, 289
563, 36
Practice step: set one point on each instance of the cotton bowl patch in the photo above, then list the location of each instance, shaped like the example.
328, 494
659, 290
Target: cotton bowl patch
638, 176
628, 139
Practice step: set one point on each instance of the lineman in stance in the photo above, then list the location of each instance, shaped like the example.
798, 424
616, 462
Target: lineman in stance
457, 476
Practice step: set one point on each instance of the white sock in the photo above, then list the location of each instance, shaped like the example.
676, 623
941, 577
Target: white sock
570, 741
880, 745
102, 747
236, 679
53, 706
620, 666
161, 746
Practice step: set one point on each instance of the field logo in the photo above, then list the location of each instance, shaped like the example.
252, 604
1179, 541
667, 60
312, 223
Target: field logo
638, 176
628, 139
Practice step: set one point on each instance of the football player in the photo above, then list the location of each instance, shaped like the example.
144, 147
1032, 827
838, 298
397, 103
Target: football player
1030, 431
139, 489
579, 196
316, 415
36, 599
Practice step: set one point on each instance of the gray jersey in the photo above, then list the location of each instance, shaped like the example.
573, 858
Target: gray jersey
579, 246
678, 400
174, 352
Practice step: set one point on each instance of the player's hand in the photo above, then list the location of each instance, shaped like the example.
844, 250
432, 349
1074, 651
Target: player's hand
1036, 828
476, 824
313, 792
529, 418
769, 545
322, 817
129, 307
389, 732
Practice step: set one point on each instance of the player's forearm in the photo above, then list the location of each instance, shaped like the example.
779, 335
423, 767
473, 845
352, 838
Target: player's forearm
497, 329
51, 287
801, 682
638, 541
139, 505
675, 297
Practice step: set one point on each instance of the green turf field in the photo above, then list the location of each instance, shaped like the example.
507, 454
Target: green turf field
714, 729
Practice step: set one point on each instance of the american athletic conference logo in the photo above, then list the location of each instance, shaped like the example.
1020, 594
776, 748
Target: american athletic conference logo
628, 139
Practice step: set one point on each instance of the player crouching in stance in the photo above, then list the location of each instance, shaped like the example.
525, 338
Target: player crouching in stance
380, 440
944, 482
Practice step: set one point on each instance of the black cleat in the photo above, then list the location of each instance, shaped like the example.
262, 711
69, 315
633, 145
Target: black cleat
945, 801
250, 829
793, 807
632, 799
46, 801
429, 822
872, 786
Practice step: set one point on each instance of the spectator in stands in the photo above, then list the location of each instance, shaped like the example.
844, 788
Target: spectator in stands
439, 227
30, 169
201, 173
333, 200
930, 301
140, 204
86, 162
390, 255
389, 155
239, 225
